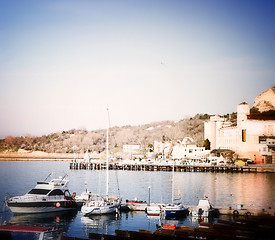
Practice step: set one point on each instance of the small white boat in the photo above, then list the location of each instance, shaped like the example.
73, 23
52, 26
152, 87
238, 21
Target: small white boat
204, 209
98, 205
135, 205
82, 198
153, 210
49, 196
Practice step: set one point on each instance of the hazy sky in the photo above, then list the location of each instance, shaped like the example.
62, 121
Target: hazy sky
63, 62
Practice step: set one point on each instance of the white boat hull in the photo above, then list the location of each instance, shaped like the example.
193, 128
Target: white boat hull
153, 211
94, 210
18, 210
18, 205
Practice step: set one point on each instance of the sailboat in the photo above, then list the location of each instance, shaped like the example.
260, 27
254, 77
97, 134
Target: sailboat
175, 209
96, 204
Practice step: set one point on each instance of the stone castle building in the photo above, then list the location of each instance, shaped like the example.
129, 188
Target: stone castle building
251, 136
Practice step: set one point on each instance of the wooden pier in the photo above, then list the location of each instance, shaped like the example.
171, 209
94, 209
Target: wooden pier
166, 167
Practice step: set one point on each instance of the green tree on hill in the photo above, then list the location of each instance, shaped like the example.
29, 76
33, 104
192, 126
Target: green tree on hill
207, 144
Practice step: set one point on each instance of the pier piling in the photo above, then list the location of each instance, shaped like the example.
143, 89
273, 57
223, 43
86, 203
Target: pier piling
165, 167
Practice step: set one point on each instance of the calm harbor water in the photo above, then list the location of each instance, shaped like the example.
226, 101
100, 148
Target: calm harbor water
253, 190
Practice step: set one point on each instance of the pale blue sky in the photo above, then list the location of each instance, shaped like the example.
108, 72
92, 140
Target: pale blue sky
63, 62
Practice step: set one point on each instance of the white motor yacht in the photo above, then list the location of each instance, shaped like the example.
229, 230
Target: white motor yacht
49, 196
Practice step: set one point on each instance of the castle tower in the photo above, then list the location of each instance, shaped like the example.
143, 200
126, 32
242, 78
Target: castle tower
243, 110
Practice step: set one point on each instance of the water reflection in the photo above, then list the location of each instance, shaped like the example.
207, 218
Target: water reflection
58, 222
53, 219
255, 190
99, 223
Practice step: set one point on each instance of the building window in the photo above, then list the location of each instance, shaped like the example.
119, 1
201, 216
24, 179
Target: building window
244, 135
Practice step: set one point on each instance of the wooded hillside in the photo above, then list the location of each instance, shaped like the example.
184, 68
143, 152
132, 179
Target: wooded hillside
80, 140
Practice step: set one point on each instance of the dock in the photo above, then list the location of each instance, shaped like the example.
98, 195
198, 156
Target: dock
177, 168
234, 211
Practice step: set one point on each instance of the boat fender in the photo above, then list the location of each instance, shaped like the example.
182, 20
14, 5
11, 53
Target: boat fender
236, 213
248, 214
57, 204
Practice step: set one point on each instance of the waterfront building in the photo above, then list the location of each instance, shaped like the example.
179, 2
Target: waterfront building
162, 147
131, 148
212, 127
181, 149
251, 136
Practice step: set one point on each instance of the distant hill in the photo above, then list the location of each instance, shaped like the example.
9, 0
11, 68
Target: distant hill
265, 101
80, 140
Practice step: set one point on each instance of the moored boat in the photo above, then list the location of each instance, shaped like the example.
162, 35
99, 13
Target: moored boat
153, 210
204, 209
102, 204
175, 210
98, 205
135, 205
82, 198
51, 196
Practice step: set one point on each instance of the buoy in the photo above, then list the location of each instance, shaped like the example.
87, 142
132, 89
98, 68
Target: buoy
57, 204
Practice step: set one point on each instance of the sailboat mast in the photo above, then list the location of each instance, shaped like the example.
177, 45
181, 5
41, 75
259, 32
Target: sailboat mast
107, 157
173, 182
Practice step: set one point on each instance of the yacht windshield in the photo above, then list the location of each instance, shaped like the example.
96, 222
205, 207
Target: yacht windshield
56, 192
38, 191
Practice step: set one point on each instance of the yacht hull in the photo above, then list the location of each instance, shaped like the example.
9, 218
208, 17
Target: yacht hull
41, 207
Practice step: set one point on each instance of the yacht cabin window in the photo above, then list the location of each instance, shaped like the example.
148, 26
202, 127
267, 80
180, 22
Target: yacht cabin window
38, 191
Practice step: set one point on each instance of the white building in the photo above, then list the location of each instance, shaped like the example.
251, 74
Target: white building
245, 137
131, 148
189, 151
183, 148
212, 127
162, 147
